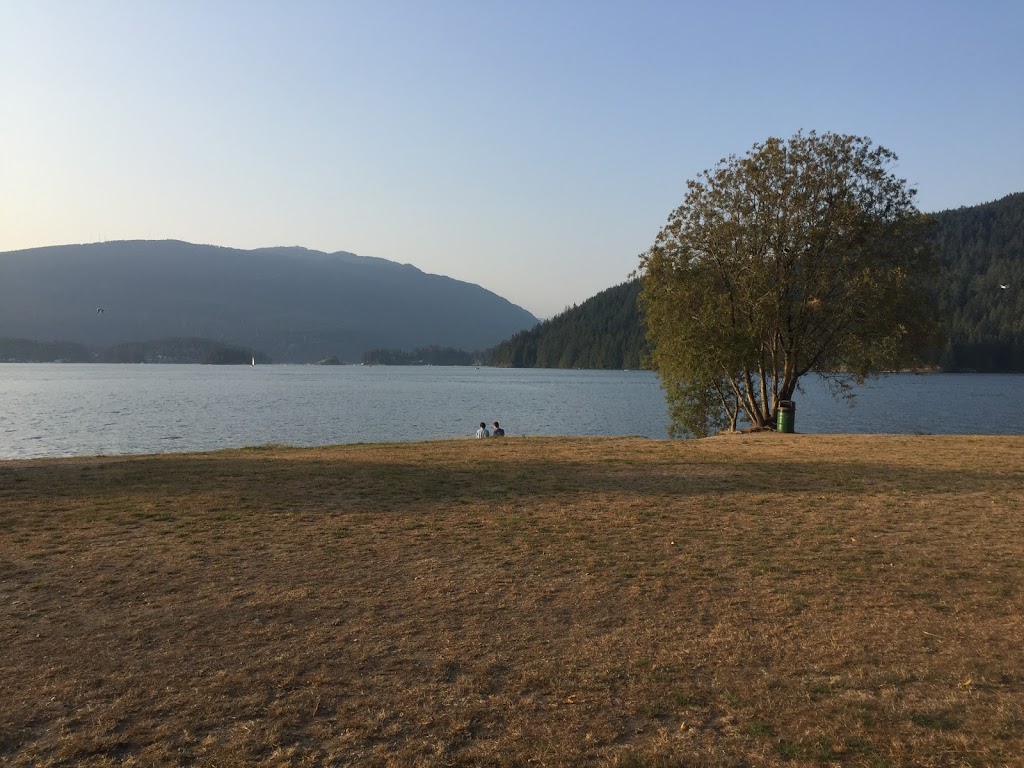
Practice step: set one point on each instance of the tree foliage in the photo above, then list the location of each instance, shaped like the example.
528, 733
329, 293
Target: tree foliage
979, 247
806, 255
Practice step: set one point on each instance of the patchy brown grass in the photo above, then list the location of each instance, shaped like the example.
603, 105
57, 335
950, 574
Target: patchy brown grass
740, 601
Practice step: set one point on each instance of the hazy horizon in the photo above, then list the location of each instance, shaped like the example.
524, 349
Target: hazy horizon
533, 150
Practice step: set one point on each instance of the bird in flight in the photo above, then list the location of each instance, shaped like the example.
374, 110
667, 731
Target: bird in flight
100, 310
1004, 287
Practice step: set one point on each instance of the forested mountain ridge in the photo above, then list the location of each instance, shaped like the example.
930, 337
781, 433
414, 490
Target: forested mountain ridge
979, 248
294, 304
605, 331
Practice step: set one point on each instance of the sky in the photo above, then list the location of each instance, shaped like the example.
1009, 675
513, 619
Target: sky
532, 147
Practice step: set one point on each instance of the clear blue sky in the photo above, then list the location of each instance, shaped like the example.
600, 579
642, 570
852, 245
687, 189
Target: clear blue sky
534, 148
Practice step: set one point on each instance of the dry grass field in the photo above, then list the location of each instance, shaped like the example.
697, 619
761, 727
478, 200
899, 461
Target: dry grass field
757, 600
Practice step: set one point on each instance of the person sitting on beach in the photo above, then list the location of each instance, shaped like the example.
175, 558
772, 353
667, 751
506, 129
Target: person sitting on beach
498, 431
482, 432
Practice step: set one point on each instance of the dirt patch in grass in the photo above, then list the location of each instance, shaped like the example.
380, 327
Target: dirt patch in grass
747, 600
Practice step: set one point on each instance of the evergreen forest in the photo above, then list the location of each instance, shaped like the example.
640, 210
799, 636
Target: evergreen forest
981, 249
979, 294
605, 331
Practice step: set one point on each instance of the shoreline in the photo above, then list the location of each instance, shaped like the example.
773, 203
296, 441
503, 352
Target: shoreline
725, 435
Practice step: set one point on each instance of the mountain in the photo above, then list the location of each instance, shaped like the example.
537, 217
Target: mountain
980, 249
294, 304
605, 331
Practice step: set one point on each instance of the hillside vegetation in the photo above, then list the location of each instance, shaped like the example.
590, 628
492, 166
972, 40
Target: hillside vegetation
760, 600
605, 331
980, 248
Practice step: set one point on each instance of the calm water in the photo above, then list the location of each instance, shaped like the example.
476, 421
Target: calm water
69, 410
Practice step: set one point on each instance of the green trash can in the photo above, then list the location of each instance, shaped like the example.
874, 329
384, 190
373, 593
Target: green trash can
787, 416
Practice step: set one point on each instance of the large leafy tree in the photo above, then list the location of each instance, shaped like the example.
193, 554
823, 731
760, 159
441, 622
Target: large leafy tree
801, 256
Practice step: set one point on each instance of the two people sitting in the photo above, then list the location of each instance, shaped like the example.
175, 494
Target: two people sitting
482, 432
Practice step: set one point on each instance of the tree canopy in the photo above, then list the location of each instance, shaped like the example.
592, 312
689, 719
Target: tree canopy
804, 255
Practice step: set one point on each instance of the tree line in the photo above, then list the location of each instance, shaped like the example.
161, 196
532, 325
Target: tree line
180, 350
605, 331
981, 324
979, 249
431, 355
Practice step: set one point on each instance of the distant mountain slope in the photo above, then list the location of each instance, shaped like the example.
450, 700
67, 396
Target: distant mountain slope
980, 248
605, 331
294, 304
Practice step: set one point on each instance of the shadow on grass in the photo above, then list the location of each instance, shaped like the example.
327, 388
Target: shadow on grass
292, 482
